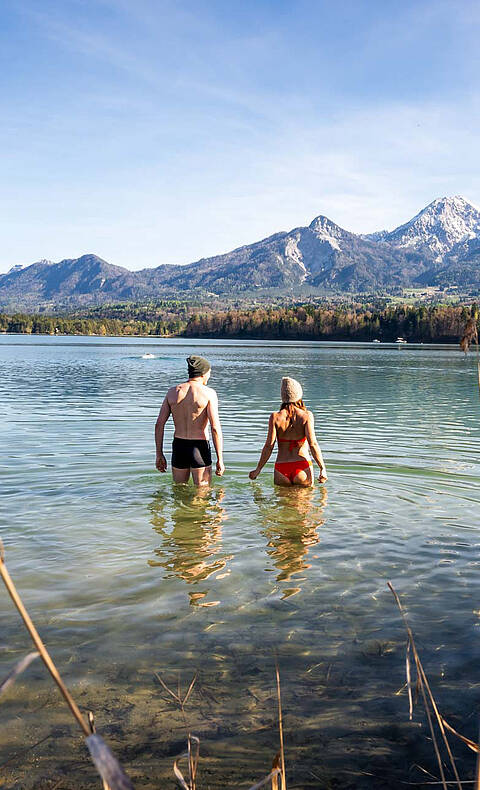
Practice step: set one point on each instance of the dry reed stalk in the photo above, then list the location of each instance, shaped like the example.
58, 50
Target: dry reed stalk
273, 776
280, 729
409, 681
193, 756
278, 765
19, 667
477, 771
110, 770
193, 743
11, 589
428, 700
107, 765
93, 731
471, 744
450, 782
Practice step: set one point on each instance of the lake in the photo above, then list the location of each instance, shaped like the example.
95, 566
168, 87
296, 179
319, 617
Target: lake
126, 576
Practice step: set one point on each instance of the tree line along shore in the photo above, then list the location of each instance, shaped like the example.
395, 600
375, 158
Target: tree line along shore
422, 324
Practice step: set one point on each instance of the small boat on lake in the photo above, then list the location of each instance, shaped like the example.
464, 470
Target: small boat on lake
148, 356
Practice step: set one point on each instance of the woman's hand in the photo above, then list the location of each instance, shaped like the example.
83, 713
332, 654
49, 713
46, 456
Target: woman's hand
254, 474
322, 477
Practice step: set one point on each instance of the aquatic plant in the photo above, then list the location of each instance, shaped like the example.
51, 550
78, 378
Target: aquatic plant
17, 670
112, 774
193, 742
422, 687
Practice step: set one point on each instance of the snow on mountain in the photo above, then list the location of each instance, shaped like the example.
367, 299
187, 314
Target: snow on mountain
439, 246
326, 230
379, 235
439, 227
293, 252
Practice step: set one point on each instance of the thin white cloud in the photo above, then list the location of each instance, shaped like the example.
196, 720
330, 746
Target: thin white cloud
178, 153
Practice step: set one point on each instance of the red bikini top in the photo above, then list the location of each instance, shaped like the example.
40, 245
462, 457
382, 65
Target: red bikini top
294, 442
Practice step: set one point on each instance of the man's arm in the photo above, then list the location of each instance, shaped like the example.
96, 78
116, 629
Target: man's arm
217, 437
314, 448
161, 461
267, 449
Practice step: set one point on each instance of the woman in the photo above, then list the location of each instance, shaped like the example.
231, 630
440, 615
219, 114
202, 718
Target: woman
292, 427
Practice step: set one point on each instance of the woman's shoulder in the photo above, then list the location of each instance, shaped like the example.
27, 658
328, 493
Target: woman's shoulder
302, 418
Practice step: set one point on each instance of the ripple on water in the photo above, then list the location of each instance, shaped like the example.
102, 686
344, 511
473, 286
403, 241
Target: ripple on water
126, 574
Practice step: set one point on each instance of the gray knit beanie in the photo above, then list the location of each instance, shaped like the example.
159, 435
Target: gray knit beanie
291, 390
197, 366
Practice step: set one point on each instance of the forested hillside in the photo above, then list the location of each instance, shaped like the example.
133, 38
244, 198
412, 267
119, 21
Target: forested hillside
421, 324
307, 322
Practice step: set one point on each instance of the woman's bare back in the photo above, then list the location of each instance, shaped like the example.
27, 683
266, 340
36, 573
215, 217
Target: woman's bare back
291, 433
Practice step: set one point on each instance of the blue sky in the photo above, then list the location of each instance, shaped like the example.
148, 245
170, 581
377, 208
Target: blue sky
156, 132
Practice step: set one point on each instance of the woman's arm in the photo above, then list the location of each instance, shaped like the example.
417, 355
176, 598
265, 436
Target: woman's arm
267, 449
314, 447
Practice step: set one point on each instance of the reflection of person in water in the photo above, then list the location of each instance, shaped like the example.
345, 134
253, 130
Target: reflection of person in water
190, 524
290, 524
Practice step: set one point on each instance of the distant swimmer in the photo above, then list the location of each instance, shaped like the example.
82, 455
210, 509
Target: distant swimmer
292, 427
194, 407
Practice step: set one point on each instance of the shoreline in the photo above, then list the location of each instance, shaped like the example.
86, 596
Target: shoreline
253, 339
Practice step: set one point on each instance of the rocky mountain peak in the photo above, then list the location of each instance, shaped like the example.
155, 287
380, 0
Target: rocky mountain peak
326, 230
322, 223
439, 246
439, 226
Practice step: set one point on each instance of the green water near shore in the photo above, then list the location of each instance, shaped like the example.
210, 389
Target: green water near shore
126, 575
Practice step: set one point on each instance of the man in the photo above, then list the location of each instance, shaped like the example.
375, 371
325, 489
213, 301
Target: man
193, 406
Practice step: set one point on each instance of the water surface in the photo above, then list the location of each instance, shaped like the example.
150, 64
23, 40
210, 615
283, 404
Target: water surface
126, 575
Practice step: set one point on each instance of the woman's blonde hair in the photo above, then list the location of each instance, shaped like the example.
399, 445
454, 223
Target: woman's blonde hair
290, 409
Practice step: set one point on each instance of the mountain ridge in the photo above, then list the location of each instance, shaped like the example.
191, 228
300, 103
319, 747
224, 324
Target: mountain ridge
439, 246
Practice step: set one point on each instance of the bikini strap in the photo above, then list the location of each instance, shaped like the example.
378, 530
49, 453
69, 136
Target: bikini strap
294, 442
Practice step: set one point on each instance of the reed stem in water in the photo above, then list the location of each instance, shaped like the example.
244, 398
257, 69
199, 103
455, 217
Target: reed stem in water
44, 655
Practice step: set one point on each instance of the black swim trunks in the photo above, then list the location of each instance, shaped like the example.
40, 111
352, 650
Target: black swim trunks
191, 453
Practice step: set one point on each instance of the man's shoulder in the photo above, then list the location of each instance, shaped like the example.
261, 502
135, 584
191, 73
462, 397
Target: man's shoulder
173, 391
212, 395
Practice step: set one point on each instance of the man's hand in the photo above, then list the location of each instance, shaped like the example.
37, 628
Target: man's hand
253, 474
161, 462
220, 469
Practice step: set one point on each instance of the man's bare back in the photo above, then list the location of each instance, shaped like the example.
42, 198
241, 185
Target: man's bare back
189, 403
194, 407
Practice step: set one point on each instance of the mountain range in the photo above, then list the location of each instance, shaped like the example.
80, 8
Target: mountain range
440, 246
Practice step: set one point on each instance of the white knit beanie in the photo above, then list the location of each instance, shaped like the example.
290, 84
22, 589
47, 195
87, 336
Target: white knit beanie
291, 391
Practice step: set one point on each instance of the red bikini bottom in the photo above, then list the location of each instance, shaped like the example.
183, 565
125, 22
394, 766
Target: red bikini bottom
291, 469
